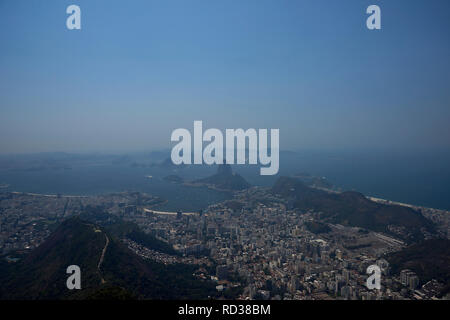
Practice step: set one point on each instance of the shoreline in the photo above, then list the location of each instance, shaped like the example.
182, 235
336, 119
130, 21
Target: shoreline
371, 198
387, 201
47, 195
168, 212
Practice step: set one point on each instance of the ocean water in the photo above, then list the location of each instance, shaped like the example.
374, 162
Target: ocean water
420, 178
103, 179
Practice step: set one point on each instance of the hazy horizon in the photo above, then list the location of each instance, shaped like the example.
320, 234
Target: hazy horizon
134, 73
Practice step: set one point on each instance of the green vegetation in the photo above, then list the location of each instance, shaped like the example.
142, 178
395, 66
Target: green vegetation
313, 181
317, 227
111, 293
125, 229
353, 209
42, 273
225, 179
429, 259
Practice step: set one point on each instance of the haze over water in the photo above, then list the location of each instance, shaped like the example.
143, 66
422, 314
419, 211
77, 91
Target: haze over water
412, 177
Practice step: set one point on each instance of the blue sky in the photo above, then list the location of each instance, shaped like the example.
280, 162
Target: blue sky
139, 69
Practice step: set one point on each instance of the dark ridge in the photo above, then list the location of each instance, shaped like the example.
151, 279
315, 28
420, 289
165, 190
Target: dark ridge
42, 273
429, 259
354, 209
225, 179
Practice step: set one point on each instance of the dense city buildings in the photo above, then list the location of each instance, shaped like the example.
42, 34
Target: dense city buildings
256, 244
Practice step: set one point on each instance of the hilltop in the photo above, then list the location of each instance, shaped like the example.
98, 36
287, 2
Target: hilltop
429, 259
354, 209
224, 179
41, 274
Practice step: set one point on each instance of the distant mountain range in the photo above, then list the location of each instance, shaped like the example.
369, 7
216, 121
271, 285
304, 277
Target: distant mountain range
121, 274
354, 209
